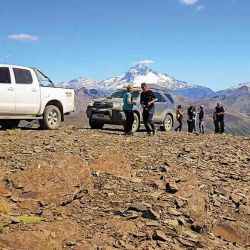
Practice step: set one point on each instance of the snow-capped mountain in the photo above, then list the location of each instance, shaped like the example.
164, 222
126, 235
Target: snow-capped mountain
237, 97
137, 75
78, 83
141, 73
233, 92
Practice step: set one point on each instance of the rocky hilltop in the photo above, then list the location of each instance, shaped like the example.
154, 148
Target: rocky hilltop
82, 189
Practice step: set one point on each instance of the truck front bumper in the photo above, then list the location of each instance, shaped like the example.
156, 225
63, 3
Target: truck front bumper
108, 116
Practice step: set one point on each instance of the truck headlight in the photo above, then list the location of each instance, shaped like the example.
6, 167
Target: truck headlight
91, 103
117, 105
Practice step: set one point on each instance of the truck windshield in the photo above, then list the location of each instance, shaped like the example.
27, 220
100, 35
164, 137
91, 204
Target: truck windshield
120, 93
44, 80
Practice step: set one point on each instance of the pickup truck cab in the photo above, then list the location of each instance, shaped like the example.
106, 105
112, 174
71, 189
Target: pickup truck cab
27, 94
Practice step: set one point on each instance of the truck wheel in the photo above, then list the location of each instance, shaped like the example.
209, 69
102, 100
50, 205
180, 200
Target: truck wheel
51, 118
167, 123
9, 124
136, 124
95, 125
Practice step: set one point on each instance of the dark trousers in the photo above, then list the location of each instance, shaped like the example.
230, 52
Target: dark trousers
148, 119
191, 125
129, 121
180, 124
219, 126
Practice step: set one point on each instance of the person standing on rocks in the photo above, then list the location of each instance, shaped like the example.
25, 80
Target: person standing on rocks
218, 116
201, 119
128, 110
179, 117
148, 99
191, 119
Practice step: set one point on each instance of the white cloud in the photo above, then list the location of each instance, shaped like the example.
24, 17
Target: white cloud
188, 2
23, 37
200, 7
146, 61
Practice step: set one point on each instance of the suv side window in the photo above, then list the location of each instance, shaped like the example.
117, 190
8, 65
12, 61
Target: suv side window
170, 98
159, 97
5, 75
23, 76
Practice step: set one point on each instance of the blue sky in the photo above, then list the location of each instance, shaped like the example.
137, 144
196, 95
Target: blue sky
204, 42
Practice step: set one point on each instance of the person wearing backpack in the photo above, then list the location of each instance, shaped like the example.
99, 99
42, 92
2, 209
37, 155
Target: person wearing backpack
128, 110
179, 117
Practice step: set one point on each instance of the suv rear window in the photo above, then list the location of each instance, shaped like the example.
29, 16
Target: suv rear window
23, 76
120, 93
5, 75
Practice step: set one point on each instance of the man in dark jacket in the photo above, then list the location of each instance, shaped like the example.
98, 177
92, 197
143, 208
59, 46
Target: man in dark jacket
147, 101
218, 116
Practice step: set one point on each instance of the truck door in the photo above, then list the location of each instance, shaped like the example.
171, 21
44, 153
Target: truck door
27, 91
160, 107
7, 92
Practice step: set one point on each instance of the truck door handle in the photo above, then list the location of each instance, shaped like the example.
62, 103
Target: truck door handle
11, 89
34, 90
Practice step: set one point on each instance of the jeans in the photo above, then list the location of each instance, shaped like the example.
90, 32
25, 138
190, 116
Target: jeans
148, 118
191, 125
219, 126
180, 124
129, 121
201, 126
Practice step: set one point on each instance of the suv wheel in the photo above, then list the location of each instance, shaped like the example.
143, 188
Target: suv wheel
167, 123
95, 125
9, 124
136, 124
51, 118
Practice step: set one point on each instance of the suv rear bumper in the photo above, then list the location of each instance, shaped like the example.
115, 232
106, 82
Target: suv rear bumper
106, 116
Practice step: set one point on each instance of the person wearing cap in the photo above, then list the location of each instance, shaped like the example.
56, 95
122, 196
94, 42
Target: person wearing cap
179, 117
218, 116
147, 100
201, 119
128, 110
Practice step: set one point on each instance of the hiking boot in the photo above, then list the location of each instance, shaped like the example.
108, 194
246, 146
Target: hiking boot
154, 131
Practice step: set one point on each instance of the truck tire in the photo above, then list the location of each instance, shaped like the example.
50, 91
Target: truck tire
9, 124
136, 124
51, 118
167, 123
95, 125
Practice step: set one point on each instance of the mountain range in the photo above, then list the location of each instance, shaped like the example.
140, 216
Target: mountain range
237, 97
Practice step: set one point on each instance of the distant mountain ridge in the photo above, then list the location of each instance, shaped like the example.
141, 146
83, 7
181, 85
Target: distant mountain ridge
136, 75
237, 96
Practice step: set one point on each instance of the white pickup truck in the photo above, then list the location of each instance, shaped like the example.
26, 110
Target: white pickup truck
27, 94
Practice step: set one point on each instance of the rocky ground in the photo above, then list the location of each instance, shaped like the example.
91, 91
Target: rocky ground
82, 189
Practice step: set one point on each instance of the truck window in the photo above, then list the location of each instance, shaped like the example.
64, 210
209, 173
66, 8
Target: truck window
170, 98
159, 97
120, 93
44, 80
5, 75
23, 76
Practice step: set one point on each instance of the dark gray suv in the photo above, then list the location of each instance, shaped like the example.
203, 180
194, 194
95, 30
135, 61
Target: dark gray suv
108, 110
